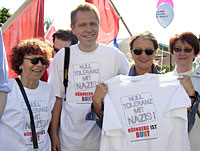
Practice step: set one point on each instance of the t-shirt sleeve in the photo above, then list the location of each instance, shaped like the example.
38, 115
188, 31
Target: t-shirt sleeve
122, 63
52, 98
178, 104
56, 74
3, 68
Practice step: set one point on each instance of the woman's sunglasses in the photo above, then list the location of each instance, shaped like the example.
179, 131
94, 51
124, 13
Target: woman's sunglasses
37, 59
187, 50
147, 51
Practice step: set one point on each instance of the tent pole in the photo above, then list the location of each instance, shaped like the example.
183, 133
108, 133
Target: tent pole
120, 17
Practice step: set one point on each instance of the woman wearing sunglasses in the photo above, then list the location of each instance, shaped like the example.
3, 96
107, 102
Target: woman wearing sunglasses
29, 60
143, 49
184, 48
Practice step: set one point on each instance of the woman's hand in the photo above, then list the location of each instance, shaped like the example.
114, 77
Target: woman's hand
99, 94
55, 143
3, 100
188, 86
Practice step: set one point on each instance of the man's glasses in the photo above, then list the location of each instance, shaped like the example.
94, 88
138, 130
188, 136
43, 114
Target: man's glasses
55, 49
147, 51
187, 50
37, 59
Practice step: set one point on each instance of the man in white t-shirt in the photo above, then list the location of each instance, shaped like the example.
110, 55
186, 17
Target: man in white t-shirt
90, 64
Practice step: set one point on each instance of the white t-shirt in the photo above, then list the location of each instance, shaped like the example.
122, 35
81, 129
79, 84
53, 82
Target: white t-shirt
145, 113
15, 129
86, 70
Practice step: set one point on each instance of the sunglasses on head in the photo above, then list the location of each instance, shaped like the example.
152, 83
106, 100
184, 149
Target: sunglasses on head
187, 50
55, 49
36, 60
147, 51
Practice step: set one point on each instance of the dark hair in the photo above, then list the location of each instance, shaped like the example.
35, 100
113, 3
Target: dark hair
188, 37
145, 35
65, 35
29, 47
84, 7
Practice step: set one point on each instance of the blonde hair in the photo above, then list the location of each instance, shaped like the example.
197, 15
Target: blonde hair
84, 7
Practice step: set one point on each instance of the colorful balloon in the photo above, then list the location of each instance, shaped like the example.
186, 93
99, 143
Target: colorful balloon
165, 1
165, 14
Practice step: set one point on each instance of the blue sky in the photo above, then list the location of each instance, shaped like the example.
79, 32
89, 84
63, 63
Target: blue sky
139, 15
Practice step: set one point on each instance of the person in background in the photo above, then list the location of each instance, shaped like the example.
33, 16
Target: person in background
196, 62
29, 60
143, 48
184, 48
4, 87
90, 63
63, 38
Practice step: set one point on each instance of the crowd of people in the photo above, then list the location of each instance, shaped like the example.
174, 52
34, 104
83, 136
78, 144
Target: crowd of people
108, 104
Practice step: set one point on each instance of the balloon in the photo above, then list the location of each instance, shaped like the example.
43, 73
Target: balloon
165, 14
165, 1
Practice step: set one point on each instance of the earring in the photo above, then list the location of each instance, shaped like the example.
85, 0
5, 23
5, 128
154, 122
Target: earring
20, 69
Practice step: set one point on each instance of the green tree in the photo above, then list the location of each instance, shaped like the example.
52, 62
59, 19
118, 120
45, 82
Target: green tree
4, 15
